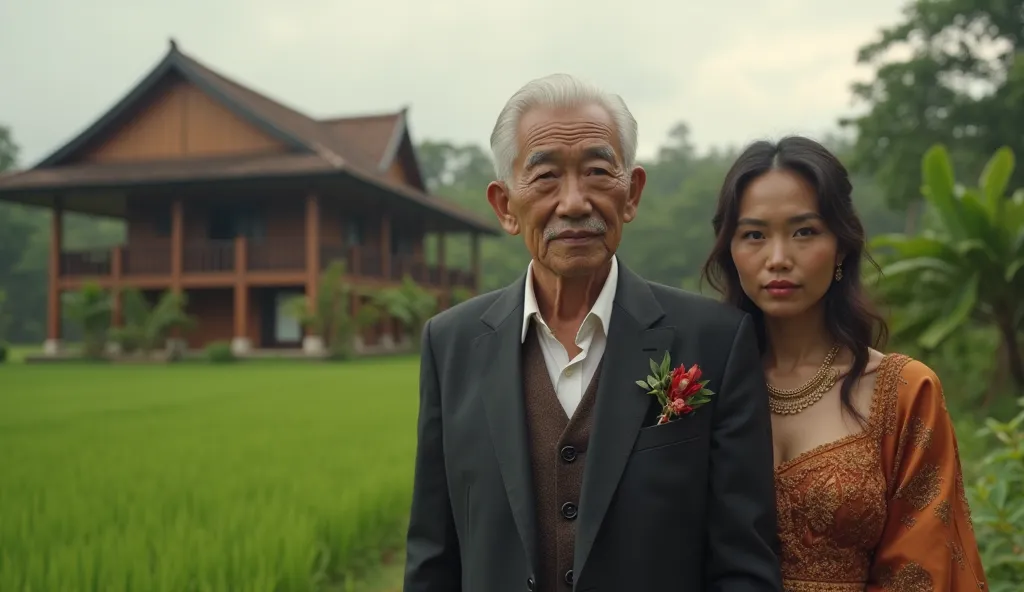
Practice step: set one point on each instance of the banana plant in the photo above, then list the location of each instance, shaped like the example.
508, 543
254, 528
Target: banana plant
146, 326
410, 304
91, 308
968, 267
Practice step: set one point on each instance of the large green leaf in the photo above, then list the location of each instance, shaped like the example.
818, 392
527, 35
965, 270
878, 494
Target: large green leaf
1012, 217
964, 304
913, 319
940, 187
917, 265
996, 176
974, 215
914, 246
1014, 269
980, 254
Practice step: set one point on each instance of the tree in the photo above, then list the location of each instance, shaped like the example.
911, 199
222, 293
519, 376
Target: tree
5, 319
8, 150
962, 85
970, 267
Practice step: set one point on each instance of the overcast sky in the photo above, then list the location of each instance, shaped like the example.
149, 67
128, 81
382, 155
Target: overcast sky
735, 70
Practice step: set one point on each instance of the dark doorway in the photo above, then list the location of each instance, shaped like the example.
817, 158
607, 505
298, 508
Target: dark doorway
279, 329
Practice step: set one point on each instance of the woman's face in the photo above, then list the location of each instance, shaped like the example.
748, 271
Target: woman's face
784, 253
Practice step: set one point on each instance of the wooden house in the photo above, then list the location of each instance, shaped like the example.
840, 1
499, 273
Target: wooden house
241, 202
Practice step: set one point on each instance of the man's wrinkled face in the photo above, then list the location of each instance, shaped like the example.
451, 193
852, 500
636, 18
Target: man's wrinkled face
570, 193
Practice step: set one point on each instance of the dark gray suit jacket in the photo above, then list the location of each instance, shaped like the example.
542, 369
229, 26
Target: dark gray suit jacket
687, 506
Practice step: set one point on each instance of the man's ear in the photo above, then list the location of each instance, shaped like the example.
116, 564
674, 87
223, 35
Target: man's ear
498, 197
637, 180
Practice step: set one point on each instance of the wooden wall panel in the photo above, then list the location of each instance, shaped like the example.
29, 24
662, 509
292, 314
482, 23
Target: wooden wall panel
181, 121
396, 172
215, 317
212, 130
153, 134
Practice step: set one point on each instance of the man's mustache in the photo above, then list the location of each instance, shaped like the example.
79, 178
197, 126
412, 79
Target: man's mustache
593, 225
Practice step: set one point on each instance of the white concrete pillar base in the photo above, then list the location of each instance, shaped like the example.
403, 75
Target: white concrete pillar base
241, 346
52, 347
313, 344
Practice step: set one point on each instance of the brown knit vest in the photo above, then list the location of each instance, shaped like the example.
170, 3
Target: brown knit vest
558, 449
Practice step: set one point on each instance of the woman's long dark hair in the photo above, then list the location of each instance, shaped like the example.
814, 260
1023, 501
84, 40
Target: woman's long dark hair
849, 316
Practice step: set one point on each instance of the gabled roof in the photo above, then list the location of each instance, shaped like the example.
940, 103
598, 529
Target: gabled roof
362, 146
369, 138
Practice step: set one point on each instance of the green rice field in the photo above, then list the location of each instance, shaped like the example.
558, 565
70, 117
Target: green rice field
268, 477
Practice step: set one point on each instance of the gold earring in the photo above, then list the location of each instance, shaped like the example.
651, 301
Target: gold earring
839, 272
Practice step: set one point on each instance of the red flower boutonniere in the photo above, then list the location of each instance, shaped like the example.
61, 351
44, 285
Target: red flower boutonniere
679, 391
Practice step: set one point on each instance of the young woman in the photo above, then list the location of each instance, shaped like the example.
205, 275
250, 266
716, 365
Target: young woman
869, 488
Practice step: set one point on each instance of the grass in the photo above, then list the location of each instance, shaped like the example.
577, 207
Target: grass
250, 477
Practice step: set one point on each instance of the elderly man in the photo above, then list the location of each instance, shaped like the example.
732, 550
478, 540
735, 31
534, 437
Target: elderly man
566, 440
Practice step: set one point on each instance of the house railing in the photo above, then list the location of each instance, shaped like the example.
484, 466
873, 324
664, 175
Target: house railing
276, 255
208, 257
215, 256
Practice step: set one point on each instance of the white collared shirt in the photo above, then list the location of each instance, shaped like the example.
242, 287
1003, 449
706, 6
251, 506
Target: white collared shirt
570, 378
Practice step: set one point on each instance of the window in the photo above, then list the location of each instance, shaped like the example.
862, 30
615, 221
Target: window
226, 222
354, 227
162, 223
401, 241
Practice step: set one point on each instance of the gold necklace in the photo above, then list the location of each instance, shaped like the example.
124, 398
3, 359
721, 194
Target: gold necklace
793, 401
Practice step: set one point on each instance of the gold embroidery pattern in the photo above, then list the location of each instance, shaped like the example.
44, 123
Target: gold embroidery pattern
909, 578
920, 433
832, 502
942, 512
805, 586
908, 521
900, 445
887, 386
961, 495
957, 552
889, 399
922, 488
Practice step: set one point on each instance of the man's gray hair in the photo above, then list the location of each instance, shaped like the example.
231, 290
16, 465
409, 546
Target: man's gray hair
557, 91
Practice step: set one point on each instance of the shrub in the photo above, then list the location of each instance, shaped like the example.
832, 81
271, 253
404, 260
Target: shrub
219, 352
3, 352
997, 504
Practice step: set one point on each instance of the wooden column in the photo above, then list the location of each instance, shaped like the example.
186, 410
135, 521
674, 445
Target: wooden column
116, 266
53, 316
241, 333
312, 247
475, 263
385, 323
177, 243
442, 271
385, 246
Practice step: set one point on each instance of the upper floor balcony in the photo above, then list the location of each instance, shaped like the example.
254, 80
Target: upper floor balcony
211, 263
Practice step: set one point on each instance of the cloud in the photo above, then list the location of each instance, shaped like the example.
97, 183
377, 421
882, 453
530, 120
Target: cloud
731, 69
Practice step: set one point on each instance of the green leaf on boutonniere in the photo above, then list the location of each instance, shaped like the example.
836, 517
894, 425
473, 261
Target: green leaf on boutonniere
698, 399
642, 384
664, 364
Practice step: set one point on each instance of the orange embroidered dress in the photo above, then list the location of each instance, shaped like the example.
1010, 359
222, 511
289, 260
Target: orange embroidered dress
885, 509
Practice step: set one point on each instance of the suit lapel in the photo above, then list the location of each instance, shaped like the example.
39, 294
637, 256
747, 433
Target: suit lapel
621, 406
497, 356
